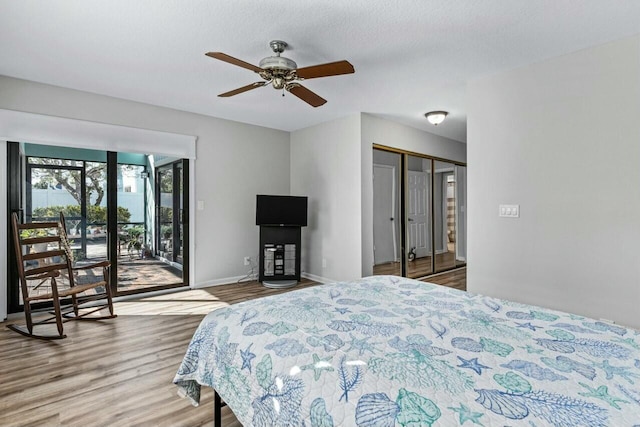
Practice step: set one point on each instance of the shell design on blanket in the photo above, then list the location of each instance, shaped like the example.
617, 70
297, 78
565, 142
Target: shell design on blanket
386, 351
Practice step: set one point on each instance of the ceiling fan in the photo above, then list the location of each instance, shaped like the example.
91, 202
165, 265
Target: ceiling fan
284, 74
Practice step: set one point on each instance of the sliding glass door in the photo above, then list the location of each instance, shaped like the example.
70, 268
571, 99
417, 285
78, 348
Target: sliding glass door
108, 200
150, 225
170, 212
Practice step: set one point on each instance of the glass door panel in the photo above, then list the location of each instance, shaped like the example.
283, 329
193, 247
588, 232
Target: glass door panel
132, 231
94, 218
53, 188
178, 221
418, 209
444, 200
146, 249
76, 188
165, 212
387, 246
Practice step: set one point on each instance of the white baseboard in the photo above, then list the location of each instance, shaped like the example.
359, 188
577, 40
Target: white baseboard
218, 282
318, 279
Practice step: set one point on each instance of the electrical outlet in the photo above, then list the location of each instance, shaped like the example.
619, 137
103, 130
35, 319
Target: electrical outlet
247, 260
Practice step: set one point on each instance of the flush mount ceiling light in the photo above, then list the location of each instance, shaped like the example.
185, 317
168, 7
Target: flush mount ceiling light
436, 117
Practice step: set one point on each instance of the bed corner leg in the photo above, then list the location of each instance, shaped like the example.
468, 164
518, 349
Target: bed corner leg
217, 411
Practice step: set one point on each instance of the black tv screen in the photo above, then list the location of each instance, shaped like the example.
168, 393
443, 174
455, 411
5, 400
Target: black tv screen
281, 210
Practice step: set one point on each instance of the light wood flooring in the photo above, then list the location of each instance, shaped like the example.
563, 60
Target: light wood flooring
119, 372
419, 267
454, 279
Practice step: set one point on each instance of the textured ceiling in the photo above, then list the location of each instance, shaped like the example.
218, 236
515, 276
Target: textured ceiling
410, 56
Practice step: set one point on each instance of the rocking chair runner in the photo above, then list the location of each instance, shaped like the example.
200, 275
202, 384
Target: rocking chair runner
46, 272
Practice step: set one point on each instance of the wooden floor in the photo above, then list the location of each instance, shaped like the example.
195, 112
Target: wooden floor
420, 267
453, 279
118, 372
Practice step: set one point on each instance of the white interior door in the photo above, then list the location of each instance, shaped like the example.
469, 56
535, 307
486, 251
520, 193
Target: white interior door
417, 214
384, 235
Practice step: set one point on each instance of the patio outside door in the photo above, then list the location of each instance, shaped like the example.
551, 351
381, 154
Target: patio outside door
108, 200
170, 213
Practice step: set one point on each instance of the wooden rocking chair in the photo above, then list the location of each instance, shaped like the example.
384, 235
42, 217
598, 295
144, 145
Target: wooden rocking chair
47, 273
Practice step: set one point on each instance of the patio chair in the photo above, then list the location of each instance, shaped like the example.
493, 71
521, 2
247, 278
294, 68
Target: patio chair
46, 272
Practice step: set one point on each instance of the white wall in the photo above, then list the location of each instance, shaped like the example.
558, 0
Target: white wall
380, 131
235, 162
562, 139
325, 166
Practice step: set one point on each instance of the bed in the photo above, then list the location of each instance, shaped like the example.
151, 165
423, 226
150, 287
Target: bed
388, 351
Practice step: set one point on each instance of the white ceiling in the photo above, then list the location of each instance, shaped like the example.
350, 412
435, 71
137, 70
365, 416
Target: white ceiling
410, 56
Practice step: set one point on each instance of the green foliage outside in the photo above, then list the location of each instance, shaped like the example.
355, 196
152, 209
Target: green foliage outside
95, 214
135, 236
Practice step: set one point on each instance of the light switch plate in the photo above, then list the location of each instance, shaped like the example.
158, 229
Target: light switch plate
509, 211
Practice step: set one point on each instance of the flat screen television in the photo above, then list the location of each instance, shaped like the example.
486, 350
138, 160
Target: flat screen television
281, 210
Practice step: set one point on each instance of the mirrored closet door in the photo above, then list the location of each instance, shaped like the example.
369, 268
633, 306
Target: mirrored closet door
418, 217
419, 214
387, 216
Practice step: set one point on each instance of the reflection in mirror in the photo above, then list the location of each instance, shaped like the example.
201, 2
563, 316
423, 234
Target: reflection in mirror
444, 202
418, 227
461, 215
386, 213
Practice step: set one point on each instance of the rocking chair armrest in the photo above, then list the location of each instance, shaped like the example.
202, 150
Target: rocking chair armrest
94, 265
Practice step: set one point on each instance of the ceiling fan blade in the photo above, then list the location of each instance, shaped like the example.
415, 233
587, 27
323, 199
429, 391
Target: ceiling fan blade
306, 95
235, 61
325, 70
243, 89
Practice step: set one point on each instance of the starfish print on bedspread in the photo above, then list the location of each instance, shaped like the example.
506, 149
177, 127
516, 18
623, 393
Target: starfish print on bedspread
472, 364
247, 357
602, 393
466, 414
318, 365
362, 345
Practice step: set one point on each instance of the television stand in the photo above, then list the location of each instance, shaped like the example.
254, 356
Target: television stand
279, 256
279, 284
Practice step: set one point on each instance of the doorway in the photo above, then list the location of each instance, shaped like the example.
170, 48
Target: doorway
108, 202
170, 212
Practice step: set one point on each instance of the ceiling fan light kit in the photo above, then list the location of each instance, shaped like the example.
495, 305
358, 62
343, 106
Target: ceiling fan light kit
284, 74
436, 117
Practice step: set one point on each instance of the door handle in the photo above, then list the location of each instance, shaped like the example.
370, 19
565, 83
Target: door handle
390, 219
410, 219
